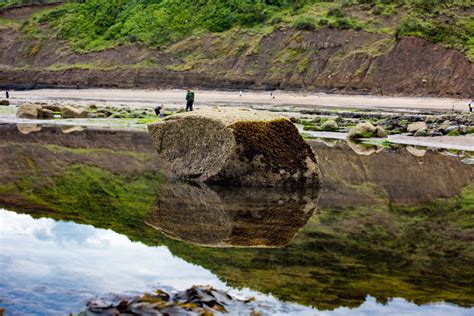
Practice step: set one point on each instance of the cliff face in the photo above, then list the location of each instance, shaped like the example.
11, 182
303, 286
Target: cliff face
328, 59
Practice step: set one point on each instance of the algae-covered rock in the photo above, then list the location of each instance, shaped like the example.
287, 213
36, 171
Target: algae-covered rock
197, 300
417, 126
73, 112
367, 130
220, 216
330, 126
235, 146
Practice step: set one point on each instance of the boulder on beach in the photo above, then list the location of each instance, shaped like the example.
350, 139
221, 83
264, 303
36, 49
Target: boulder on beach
417, 126
330, 126
73, 112
367, 130
29, 111
53, 107
4, 102
235, 146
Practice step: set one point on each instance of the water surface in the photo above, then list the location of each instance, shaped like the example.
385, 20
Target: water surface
89, 213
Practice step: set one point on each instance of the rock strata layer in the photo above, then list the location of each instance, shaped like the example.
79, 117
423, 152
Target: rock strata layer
235, 146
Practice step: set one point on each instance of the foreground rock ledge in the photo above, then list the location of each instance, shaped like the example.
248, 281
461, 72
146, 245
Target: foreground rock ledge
235, 146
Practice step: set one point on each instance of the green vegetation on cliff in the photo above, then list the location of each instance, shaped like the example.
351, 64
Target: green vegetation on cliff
93, 25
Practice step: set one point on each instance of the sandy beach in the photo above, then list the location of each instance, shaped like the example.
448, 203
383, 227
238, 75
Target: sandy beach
143, 98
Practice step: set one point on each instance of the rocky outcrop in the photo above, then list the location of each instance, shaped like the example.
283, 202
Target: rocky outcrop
417, 126
367, 130
4, 102
231, 217
73, 112
235, 146
29, 111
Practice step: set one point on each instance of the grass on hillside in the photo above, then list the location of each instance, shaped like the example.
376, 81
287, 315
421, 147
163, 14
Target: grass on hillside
95, 25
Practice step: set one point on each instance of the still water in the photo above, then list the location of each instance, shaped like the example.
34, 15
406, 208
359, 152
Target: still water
90, 212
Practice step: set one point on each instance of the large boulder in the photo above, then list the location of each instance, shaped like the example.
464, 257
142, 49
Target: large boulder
29, 111
73, 112
367, 130
235, 146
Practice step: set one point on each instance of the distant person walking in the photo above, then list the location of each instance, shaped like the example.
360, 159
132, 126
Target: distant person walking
189, 100
471, 106
7, 94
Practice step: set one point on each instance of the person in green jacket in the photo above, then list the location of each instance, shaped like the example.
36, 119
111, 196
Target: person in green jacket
189, 100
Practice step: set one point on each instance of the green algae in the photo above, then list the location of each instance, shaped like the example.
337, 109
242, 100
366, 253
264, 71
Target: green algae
277, 142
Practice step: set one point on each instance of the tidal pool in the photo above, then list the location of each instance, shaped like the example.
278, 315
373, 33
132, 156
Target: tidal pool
90, 213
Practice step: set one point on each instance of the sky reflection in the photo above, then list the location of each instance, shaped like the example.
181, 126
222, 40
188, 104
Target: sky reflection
50, 267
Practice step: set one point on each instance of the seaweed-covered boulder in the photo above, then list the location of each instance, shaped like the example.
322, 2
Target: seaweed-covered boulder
72, 112
330, 126
367, 130
417, 126
235, 146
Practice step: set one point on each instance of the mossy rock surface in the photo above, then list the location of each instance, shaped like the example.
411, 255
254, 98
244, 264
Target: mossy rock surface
366, 130
235, 146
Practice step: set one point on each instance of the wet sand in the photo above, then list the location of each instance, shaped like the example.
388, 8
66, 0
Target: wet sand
142, 98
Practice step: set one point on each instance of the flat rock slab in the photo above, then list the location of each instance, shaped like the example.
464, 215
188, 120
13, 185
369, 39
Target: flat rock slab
237, 147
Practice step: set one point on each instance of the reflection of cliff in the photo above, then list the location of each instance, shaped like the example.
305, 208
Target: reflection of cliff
389, 177
230, 217
47, 169
49, 151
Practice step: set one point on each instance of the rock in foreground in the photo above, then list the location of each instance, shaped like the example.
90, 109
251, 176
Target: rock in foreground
235, 146
198, 300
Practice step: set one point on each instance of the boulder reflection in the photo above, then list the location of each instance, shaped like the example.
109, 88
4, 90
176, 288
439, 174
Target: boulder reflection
231, 217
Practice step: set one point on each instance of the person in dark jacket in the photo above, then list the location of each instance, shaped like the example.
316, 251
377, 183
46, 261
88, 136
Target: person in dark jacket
158, 110
189, 100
